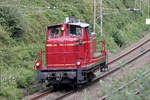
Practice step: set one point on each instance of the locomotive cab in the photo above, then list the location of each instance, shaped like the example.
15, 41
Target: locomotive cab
71, 55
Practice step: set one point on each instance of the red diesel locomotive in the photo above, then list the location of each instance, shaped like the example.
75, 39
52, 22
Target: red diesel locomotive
71, 56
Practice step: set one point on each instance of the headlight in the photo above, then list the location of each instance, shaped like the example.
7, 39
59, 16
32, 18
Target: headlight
78, 63
62, 28
37, 64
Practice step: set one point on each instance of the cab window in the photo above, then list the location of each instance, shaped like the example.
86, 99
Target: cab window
55, 32
74, 30
88, 30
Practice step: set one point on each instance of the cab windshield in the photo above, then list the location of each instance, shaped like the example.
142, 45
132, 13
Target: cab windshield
55, 32
74, 30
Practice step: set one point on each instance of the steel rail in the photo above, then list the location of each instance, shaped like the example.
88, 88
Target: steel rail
127, 84
112, 71
42, 94
118, 58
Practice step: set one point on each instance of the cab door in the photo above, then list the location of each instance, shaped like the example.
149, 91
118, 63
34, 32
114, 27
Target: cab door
74, 51
87, 45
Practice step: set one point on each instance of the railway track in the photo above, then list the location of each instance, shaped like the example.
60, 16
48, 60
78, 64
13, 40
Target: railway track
104, 75
137, 91
42, 94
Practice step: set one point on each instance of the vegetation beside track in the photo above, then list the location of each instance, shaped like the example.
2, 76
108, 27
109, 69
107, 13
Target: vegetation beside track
23, 30
141, 85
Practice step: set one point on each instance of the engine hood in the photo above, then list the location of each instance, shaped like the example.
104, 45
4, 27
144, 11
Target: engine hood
63, 39
62, 52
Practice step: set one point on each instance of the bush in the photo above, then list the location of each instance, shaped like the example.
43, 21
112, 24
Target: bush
26, 80
12, 21
12, 93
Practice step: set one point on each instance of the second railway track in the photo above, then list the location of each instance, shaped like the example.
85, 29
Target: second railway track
146, 74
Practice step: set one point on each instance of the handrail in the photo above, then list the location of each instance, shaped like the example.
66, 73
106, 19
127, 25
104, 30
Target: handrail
38, 59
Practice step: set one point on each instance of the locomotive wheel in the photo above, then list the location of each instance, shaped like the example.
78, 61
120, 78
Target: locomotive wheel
56, 87
74, 86
68, 87
90, 76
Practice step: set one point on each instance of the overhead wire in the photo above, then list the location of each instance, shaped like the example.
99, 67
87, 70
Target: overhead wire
58, 6
33, 7
148, 8
18, 50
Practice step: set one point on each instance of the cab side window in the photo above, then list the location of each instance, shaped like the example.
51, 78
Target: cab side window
74, 30
55, 32
88, 30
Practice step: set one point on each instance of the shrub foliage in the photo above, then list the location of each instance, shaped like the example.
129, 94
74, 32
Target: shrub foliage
12, 21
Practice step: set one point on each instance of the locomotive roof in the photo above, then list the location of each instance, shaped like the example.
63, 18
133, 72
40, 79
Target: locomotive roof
75, 23
79, 24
